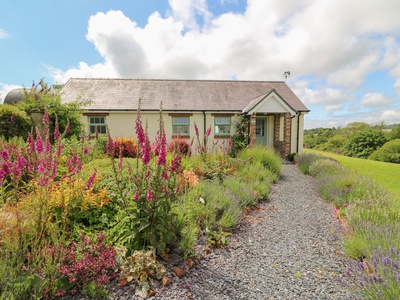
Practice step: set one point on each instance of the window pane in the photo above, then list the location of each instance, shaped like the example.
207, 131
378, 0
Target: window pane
97, 124
222, 129
180, 130
180, 120
223, 120
222, 125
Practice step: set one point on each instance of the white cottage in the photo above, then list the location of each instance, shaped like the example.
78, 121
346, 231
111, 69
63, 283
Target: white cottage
276, 114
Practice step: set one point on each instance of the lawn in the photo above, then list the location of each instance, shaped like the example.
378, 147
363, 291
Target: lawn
387, 174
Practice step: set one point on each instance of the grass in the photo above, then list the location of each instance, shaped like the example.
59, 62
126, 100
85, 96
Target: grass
386, 174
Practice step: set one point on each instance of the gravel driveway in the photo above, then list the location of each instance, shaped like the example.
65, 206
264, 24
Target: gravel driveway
288, 249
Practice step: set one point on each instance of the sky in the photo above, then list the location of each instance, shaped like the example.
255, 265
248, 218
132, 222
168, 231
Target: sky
343, 56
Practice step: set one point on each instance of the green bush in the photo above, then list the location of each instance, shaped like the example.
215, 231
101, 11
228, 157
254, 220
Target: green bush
334, 144
361, 145
305, 160
14, 122
258, 178
324, 167
389, 152
395, 133
267, 157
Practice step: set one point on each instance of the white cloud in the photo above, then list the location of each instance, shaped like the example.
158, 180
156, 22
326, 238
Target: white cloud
333, 107
3, 34
376, 100
332, 40
337, 43
321, 96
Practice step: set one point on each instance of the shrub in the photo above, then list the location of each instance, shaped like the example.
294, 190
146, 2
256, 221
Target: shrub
14, 122
180, 146
389, 152
324, 167
86, 262
334, 144
125, 147
258, 178
361, 145
240, 138
267, 157
395, 132
305, 160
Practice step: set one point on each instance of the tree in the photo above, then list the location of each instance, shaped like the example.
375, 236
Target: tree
395, 133
365, 142
42, 97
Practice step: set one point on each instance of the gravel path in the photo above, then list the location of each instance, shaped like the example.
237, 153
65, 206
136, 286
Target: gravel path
288, 249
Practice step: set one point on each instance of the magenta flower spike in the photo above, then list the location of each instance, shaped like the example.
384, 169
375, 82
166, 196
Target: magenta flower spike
46, 118
90, 181
136, 196
208, 132
149, 195
162, 157
196, 129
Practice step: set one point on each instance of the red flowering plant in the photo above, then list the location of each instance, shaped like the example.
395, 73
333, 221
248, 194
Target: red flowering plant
148, 194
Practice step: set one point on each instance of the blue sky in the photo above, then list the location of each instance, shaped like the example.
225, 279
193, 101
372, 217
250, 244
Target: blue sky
344, 56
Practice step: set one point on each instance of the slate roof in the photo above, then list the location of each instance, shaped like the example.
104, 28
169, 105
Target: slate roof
175, 95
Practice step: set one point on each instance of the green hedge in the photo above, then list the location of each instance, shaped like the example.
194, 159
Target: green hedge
14, 122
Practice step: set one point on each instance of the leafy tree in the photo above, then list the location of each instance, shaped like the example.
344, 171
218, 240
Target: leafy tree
322, 136
42, 97
395, 133
362, 144
389, 152
354, 128
334, 144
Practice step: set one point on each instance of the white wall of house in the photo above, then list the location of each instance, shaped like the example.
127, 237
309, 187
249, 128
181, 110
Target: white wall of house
122, 124
297, 141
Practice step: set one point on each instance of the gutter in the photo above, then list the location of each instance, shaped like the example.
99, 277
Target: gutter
204, 129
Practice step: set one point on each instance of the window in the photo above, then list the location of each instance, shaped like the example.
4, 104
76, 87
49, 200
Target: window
222, 126
180, 126
97, 124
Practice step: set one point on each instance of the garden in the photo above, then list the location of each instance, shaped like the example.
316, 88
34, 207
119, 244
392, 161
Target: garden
78, 211
370, 215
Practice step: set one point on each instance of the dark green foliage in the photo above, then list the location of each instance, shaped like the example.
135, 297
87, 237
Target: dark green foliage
389, 152
364, 143
14, 122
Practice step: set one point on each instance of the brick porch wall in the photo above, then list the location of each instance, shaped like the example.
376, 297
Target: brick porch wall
282, 147
252, 129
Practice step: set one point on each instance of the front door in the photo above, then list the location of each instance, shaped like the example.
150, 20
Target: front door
261, 130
